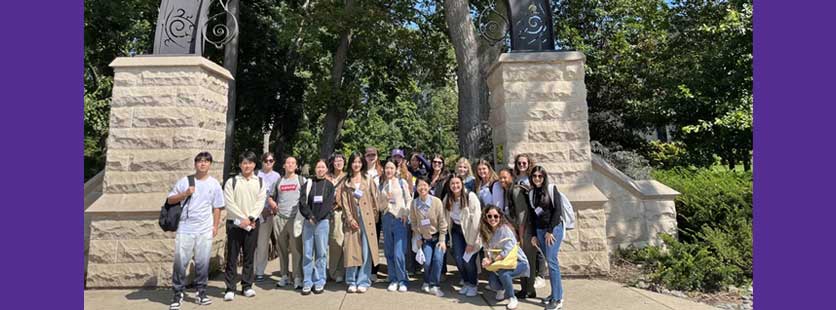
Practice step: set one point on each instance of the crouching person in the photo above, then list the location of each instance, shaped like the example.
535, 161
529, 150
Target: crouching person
501, 242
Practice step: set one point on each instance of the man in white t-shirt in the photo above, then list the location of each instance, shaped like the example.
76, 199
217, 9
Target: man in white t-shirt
196, 229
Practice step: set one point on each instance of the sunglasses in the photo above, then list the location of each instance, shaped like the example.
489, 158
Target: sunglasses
269, 161
536, 176
371, 155
492, 216
522, 163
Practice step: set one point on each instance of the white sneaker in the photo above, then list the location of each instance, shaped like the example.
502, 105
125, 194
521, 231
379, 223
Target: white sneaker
297, 283
282, 282
339, 280
425, 288
471, 292
512, 303
352, 289
539, 282
229, 296
435, 290
362, 289
402, 288
392, 287
249, 292
500, 295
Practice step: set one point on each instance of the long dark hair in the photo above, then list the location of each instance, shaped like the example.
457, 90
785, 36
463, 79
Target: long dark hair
541, 193
351, 159
463, 200
485, 229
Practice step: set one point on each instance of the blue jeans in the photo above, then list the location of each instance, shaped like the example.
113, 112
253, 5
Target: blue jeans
359, 276
433, 259
394, 247
467, 269
187, 246
504, 278
550, 252
315, 240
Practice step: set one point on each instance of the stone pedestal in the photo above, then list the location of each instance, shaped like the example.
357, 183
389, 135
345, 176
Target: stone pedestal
538, 107
164, 111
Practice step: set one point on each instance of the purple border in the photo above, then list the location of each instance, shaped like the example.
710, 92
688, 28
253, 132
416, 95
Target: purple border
42, 125
794, 114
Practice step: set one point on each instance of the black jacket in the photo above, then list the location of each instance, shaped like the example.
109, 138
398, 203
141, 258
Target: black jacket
549, 218
318, 211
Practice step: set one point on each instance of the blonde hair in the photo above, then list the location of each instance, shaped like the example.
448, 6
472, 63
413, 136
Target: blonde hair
464, 160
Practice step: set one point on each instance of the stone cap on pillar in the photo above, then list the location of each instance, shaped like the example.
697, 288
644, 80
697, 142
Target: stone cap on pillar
542, 57
128, 203
170, 61
646, 189
583, 195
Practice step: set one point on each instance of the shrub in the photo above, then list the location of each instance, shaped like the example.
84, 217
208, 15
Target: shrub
714, 215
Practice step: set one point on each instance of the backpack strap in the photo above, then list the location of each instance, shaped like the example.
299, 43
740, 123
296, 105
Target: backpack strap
190, 178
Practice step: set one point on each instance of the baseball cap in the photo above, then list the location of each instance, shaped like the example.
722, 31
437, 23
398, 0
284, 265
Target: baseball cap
397, 152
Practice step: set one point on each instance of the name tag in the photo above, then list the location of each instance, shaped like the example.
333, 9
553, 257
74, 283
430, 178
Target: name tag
358, 193
425, 222
317, 199
538, 210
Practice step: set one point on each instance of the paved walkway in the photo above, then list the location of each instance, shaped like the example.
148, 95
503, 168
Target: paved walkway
580, 294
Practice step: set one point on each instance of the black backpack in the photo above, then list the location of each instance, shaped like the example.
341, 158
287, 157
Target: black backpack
170, 213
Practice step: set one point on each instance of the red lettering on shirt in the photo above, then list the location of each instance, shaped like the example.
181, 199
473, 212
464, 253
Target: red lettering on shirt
288, 187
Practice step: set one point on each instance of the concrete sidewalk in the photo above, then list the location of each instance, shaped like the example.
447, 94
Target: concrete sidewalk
580, 294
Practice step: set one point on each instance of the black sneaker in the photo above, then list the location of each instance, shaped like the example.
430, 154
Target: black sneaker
176, 301
259, 278
203, 299
545, 301
554, 305
524, 295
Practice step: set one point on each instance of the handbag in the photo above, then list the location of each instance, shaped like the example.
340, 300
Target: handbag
508, 262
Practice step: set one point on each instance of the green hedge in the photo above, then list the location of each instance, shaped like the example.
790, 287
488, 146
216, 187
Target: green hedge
714, 215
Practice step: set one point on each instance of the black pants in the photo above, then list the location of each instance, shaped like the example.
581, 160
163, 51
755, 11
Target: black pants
527, 284
236, 239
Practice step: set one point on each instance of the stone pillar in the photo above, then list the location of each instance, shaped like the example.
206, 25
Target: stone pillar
164, 110
538, 107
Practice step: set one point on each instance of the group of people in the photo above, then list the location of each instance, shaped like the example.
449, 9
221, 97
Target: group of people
502, 223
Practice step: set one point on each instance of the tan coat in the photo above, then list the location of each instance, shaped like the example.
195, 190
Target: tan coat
471, 218
369, 206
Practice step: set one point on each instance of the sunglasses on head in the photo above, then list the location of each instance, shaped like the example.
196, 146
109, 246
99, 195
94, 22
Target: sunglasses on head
492, 216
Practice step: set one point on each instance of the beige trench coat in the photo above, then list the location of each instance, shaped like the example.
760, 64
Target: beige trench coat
370, 208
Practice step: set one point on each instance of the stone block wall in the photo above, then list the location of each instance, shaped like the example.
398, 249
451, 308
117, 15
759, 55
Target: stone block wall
164, 110
637, 210
538, 107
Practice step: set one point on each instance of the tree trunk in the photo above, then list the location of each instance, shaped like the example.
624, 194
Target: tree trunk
463, 36
231, 64
337, 111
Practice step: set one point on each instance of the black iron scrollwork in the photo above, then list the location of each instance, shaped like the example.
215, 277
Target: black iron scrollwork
179, 27
493, 26
221, 33
182, 27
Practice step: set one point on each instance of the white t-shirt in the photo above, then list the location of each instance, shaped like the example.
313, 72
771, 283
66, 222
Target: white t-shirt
269, 179
197, 214
456, 212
